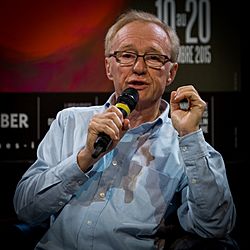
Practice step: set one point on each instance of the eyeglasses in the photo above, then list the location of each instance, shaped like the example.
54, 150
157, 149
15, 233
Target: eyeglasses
129, 58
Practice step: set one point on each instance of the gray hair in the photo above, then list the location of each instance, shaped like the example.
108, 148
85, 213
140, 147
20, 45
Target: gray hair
138, 15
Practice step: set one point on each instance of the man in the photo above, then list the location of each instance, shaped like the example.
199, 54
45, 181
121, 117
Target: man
155, 166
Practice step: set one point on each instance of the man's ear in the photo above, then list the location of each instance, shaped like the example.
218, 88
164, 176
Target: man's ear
108, 69
172, 73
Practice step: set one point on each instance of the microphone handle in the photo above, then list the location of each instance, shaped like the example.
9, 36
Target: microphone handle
101, 144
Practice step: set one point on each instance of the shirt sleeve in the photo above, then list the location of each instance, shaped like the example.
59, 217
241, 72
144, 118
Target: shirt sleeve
208, 208
52, 180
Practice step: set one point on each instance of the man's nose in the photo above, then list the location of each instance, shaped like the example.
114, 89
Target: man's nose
140, 65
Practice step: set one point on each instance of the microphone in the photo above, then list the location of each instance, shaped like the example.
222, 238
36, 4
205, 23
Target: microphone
126, 103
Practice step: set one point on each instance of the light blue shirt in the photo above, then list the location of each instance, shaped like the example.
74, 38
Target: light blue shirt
121, 201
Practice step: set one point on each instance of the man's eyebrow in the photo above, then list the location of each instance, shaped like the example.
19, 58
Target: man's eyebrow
150, 50
127, 47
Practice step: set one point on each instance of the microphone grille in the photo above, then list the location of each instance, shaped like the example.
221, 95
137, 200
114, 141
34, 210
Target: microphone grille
130, 97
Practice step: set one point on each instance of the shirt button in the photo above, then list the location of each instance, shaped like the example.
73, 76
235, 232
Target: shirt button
114, 163
89, 222
184, 149
102, 195
60, 203
193, 181
80, 182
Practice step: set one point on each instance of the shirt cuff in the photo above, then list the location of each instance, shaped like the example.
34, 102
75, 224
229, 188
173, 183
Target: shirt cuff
71, 174
193, 146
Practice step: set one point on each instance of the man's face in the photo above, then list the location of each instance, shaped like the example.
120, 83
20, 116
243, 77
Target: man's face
141, 38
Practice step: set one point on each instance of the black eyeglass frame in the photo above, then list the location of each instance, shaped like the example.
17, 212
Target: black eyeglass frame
114, 54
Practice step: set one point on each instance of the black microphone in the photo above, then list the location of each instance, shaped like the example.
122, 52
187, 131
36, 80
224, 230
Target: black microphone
126, 102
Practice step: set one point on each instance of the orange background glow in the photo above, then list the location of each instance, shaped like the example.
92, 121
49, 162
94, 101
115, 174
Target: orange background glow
55, 45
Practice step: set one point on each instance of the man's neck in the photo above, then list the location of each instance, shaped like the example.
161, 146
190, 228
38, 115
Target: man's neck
137, 117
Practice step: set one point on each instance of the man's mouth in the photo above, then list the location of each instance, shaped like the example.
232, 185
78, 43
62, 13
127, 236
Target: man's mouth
137, 84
